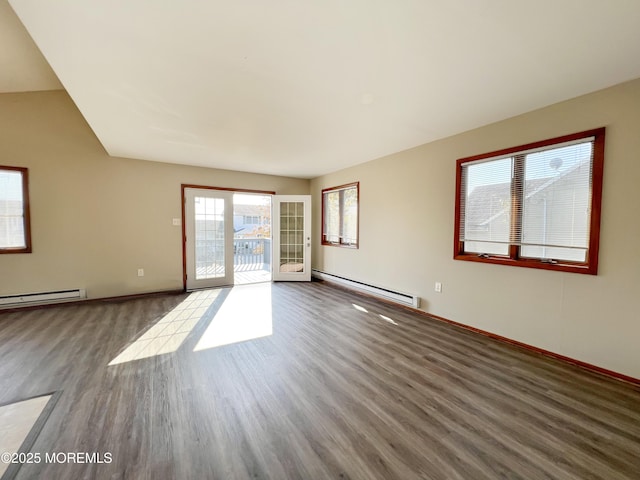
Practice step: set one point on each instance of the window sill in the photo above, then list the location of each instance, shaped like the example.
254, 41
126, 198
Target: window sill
530, 263
341, 245
15, 250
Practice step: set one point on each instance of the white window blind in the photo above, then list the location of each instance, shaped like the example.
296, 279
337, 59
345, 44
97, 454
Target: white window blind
539, 200
486, 218
557, 203
332, 216
350, 216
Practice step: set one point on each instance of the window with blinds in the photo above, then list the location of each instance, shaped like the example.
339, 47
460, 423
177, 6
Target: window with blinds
340, 215
536, 205
14, 210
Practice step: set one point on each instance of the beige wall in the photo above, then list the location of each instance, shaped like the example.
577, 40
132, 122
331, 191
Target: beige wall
406, 237
97, 219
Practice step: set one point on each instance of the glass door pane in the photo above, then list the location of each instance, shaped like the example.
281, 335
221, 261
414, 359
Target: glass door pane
292, 242
292, 237
208, 238
209, 248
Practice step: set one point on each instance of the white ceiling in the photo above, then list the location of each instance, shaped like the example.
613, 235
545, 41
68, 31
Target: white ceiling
304, 88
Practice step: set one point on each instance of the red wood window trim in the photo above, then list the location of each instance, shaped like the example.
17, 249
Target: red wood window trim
341, 243
590, 266
26, 216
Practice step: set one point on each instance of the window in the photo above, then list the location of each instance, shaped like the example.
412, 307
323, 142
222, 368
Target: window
536, 205
15, 234
251, 220
340, 215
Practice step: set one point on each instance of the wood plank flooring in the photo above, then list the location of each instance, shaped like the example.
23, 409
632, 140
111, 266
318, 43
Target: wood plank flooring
334, 392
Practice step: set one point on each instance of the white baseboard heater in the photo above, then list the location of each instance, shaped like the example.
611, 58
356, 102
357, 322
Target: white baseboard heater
41, 298
394, 296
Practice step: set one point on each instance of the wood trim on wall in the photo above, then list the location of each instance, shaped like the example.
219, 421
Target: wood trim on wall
117, 298
541, 351
579, 363
226, 189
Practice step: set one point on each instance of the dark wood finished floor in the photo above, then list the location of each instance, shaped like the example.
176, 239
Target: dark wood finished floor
334, 392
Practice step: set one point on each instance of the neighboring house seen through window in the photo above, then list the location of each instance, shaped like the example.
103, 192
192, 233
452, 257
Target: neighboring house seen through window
536, 205
15, 234
340, 215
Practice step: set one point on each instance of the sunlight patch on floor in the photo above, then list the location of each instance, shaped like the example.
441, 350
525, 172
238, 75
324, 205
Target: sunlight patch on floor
360, 308
167, 335
244, 315
16, 421
387, 319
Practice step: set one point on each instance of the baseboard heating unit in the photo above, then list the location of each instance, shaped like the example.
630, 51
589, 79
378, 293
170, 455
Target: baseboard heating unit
387, 294
41, 298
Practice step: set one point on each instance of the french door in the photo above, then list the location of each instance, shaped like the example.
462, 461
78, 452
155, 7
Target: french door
209, 237
292, 237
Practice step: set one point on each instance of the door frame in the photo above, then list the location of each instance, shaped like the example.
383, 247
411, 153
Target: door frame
183, 200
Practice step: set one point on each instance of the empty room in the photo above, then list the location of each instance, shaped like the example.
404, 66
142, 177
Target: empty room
330, 240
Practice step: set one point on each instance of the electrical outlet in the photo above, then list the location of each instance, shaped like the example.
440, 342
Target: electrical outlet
141, 272
438, 287
176, 222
